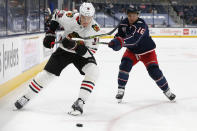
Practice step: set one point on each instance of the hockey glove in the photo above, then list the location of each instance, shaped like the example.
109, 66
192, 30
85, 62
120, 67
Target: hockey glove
76, 45
116, 44
49, 39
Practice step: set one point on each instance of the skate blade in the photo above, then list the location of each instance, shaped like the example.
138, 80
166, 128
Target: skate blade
15, 108
173, 101
74, 113
119, 101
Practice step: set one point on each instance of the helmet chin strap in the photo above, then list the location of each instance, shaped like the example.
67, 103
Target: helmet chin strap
80, 19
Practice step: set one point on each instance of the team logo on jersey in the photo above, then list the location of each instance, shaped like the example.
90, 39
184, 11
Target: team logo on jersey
69, 14
95, 27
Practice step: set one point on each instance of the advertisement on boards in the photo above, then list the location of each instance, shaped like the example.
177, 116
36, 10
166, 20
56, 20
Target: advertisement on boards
30, 52
9, 59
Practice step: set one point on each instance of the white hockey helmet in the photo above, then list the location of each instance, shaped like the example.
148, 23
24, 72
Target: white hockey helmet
87, 9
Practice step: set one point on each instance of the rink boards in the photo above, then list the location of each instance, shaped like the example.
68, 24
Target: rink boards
20, 59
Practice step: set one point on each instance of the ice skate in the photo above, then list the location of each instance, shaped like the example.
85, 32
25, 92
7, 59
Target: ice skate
21, 102
169, 95
77, 107
120, 95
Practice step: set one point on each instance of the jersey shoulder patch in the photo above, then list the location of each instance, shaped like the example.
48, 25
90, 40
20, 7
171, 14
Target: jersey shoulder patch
96, 27
69, 14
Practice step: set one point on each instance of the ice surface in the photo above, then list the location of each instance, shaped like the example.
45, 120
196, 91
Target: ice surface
145, 108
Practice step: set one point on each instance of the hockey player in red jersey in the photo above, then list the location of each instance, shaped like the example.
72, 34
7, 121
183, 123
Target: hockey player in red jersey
78, 52
134, 34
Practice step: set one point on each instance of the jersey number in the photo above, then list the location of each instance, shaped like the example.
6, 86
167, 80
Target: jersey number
141, 30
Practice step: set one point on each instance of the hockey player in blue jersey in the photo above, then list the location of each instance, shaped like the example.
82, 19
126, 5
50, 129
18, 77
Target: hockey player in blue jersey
133, 33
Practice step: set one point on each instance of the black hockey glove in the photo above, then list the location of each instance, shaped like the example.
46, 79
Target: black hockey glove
49, 39
76, 45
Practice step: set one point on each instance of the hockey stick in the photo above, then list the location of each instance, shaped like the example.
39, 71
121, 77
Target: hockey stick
100, 35
109, 33
106, 43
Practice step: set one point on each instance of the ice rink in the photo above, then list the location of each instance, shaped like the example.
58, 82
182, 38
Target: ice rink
144, 108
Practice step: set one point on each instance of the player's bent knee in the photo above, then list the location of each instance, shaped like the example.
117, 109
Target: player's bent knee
154, 71
126, 64
43, 78
91, 72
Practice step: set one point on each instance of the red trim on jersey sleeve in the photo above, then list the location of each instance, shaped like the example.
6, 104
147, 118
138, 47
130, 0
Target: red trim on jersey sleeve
93, 51
77, 19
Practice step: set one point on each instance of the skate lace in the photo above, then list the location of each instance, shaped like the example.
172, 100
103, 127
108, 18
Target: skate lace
168, 93
120, 92
23, 100
79, 103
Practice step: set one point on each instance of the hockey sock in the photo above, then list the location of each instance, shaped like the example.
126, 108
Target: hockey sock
157, 75
162, 83
123, 77
36, 85
124, 69
86, 89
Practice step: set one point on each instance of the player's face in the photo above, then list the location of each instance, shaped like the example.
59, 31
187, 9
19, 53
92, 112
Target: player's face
85, 20
132, 17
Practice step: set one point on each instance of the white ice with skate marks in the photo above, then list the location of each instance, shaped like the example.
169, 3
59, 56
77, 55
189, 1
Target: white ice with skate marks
144, 106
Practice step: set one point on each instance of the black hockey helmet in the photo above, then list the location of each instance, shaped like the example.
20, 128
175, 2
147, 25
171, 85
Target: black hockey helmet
132, 9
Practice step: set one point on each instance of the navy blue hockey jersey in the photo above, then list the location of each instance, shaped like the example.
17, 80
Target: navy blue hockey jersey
136, 36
